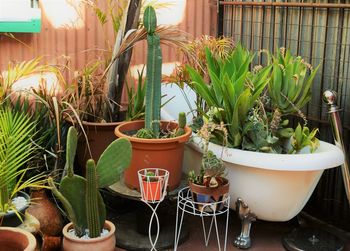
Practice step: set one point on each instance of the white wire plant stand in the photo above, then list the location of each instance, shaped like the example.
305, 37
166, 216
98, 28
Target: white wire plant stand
186, 204
153, 188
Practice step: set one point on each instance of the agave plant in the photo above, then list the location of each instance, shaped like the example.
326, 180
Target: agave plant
233, 89
16, 150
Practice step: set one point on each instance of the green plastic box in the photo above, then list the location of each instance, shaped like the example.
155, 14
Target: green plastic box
28, 25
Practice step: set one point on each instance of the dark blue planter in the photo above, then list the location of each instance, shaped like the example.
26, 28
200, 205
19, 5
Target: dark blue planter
11, 219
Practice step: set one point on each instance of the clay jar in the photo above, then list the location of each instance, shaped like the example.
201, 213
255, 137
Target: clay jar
105, 243
46, 212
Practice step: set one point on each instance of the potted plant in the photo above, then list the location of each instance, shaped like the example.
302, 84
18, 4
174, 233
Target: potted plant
16, 150
83, 202
156, 143
97, 89
210, 185
268, 166
152, 183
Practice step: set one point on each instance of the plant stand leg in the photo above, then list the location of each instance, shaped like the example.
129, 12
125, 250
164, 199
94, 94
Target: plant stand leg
247, 217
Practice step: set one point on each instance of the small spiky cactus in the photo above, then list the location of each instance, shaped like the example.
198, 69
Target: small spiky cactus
182, 123
79, 196
154, 73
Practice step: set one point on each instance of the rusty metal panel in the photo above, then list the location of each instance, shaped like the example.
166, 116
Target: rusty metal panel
82, 45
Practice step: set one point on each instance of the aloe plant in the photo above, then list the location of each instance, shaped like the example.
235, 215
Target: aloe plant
290, 85
233, 89
302, 137
80, 196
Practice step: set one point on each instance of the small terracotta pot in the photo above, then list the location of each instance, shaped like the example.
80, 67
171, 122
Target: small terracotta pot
203, 194
152, 190
16, 239
105, 243
99, 135
160, 153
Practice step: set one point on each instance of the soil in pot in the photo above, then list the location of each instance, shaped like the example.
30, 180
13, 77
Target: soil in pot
11, 219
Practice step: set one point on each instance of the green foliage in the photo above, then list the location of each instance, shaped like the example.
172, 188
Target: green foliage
79, 196
302, 137
290, 85
233, 89
253, 104
136, 99
16, 150
154, 73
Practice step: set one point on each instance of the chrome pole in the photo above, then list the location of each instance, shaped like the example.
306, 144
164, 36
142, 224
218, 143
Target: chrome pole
330, 98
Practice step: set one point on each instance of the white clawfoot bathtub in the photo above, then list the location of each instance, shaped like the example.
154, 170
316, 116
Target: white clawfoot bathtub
276, 187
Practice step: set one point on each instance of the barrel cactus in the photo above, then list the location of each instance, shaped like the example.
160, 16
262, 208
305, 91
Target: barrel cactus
80, 196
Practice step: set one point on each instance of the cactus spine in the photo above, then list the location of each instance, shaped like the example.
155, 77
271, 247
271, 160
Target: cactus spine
92, 209
154, 73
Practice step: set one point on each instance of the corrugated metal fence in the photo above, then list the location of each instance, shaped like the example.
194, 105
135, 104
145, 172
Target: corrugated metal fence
318, 31
85, 41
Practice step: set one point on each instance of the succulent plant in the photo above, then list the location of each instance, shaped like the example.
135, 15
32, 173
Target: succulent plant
302, 137
80, 196
154, 73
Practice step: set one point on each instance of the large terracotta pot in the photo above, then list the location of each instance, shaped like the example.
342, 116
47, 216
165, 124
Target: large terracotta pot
16, 239
100, 135
105, 243
154, 153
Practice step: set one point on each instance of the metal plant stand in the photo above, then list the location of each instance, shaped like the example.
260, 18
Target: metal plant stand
185, 204
153, 185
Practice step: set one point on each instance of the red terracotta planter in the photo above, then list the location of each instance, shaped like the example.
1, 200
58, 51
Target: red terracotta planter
156, 153
152, 190
100, 135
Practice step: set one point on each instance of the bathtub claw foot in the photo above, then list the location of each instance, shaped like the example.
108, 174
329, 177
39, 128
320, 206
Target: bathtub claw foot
247, 217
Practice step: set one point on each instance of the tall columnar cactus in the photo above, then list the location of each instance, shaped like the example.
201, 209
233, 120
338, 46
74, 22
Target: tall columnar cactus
154, 72
79, 196
91, 197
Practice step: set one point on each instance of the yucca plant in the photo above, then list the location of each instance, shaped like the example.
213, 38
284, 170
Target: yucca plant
16, 150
